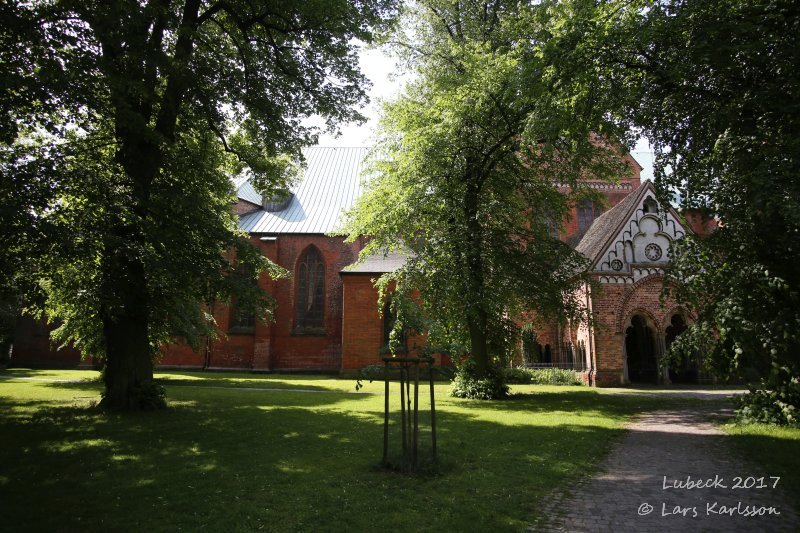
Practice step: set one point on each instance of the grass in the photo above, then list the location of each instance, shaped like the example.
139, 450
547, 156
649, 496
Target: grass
229, 457
775, 450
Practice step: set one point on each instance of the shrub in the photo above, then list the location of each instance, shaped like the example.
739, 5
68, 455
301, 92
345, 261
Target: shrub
541, 376
151, 396
5, 357
148, 397
376, 373
369, 373
446, 373
780, 406
467, 385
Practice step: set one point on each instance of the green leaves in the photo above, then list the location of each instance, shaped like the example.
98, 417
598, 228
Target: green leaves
122, 123
715, 97
469, 174
709, 83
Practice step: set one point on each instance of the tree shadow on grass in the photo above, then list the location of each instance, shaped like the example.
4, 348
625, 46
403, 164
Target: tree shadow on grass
586, 400
78, 379
215, 384
250, 380
781, 451
37, 374
287, 460
281, 461
240, 466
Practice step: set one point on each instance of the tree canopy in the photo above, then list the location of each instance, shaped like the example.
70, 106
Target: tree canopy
121, 124
471, 168
714, 86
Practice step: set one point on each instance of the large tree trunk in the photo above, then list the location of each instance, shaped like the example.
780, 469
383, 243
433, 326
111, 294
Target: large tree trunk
476, 325
129, 359
476, 314
128, 374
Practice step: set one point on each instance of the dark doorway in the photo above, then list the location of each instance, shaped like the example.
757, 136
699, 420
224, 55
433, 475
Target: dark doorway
641, 353
682, 369
532, 353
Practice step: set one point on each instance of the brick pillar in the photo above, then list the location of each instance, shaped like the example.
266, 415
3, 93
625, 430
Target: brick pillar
261, 354
262, 345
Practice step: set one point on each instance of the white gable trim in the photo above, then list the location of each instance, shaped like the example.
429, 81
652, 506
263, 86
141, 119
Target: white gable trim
641, 243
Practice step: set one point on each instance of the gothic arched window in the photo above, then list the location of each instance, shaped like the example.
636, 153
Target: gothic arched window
310, 301
650, 206
551, 224
243, 320
389, 320
587, 212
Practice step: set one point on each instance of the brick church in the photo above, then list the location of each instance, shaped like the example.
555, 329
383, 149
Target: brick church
327, 318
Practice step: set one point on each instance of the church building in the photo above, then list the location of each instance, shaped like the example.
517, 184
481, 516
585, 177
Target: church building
327, 317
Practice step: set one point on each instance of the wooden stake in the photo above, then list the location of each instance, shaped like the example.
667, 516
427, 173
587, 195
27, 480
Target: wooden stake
433, 411
403, 409
386, 413
416, 417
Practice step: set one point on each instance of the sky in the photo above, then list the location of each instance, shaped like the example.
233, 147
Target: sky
380, 69
387, 83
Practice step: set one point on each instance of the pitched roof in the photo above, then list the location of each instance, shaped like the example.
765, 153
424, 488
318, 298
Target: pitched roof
606, 226
377, 264
245, 191
237, 181
331, 183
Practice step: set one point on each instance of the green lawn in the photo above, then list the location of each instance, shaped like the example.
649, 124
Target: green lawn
227, 457
776, 450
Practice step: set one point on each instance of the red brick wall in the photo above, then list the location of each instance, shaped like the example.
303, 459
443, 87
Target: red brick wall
351, 316
276, 345
242, 207
291, 351
613, 194
362, 326
700, 224
550, 335
608, 341
33, 348
271, 346
614, 307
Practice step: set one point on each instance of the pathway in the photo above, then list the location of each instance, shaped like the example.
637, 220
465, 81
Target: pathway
642, 485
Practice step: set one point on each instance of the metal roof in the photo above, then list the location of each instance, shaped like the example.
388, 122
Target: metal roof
330, 184
246, 192
237, 181
378, 264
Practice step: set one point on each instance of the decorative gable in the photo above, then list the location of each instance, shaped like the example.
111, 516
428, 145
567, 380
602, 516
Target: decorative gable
632, 240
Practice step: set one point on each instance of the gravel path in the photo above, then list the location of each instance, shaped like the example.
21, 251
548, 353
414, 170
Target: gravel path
642, 485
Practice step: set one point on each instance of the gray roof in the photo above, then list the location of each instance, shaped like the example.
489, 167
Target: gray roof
237, 181
606, 226
246, 192
330, 184
378, 264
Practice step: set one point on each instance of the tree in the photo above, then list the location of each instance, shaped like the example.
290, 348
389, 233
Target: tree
467, 172
125, 119
714, 85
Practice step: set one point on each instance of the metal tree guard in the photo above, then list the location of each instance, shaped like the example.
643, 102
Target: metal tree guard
410, 434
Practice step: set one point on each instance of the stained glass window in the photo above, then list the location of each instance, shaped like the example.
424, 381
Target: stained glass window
242, 320
587, 212
310, 301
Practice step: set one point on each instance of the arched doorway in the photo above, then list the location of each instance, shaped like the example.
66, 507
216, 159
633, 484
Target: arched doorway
682, 369
640, 350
